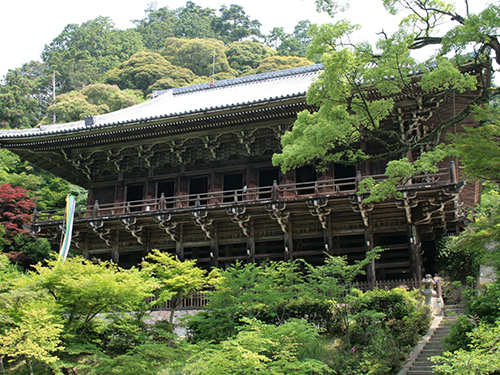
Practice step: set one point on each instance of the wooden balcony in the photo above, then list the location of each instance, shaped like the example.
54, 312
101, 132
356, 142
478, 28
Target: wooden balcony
231, 198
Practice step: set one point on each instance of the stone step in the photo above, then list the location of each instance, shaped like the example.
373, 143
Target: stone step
434, 346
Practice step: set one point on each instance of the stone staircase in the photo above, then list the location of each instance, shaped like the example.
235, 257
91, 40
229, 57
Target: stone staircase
432, 344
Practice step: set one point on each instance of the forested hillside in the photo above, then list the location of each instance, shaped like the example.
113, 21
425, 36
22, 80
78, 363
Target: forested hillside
95, 68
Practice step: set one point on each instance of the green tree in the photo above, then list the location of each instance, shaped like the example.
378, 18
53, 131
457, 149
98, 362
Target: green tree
86, 292
177, 279
234, 24
347, 117
480, 358
156, 27
29, 324
274, 63
246, 56
73, 106
294, 44
147, 71
478, 148
333, 280
73, 69
193, 21
23, 97
261, 349
197, 55
82, 54
272, 292
95, 99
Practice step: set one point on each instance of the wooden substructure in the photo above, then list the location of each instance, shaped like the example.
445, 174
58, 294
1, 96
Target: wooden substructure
279, 222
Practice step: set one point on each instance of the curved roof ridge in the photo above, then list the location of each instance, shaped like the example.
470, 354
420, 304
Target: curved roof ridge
241, 80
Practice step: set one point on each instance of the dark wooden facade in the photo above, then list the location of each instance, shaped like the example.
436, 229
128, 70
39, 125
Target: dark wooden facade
199, 184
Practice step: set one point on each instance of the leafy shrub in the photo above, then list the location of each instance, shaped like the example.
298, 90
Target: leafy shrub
458, 338
487, 304
261, 348
459, 257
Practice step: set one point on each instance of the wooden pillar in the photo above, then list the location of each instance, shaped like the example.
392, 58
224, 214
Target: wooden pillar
326, 175
120, 197
327, 235
179, 247
288, 178
328, 241
415, 253
216, 185
85, 252
251, 243
214, 248
147, 246
251, 181
182, 190
288, 241
371, 273
115, 254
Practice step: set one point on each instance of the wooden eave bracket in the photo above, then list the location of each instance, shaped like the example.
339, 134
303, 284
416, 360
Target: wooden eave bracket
247, 138
239, 216
178, 148
317, 207
81, 163
277, 212
166, 223
97, 227
202, 220
212, 143
357, 205
408, 202
131, 226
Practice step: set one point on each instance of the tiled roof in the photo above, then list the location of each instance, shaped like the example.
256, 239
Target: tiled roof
194, 99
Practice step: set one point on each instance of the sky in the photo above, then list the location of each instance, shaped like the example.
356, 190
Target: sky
26, 26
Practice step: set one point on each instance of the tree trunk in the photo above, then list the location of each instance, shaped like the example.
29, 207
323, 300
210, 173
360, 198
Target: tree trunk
2, 369
30, 367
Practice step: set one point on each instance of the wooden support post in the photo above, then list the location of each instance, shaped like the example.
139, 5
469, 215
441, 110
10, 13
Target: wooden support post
85, 252
336, 251
371, 273
415, 253
453, 173
288, 241
147, 246
327, 239
179, 247
115, 253
214, 248
251, 243
214, 253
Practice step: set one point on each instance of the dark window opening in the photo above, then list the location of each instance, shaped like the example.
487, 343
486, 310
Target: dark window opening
346, 175
305, 178
233, 183
198, 186
167, 188
104, 196
135, 197
378, 167
266, 179
129, 260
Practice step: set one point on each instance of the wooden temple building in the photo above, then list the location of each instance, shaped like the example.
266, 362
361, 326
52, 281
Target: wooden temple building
189, 172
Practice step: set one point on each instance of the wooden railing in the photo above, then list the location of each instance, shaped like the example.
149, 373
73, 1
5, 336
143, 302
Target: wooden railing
231, 197
197, 300
194, 302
